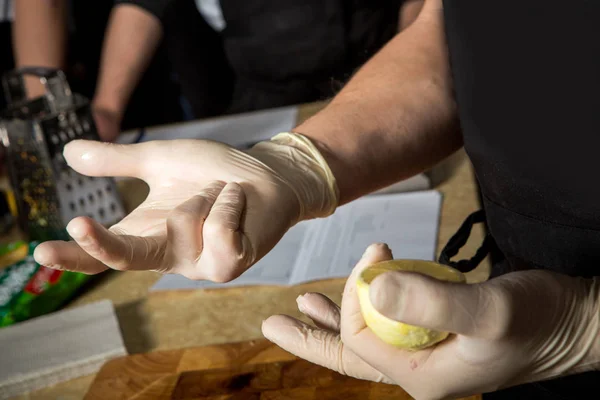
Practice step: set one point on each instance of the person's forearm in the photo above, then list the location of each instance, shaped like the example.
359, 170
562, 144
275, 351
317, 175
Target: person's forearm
133, 34
396, 117
40, 33
39, 36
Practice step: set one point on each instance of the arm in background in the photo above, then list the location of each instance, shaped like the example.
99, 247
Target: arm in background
39, 37
409, 11
397, 117
132, 37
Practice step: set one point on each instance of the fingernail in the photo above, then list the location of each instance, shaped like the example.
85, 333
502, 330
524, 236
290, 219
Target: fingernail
66, 146
375, 298
383, 292
374, 248
368, 251
385, 247
74, 231
300, 303
266, 333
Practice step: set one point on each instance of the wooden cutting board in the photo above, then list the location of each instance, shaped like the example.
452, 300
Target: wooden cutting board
248, 370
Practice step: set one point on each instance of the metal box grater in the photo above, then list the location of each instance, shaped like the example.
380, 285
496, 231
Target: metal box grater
33, 133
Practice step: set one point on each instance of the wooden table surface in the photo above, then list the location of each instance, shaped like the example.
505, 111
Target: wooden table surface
180, 319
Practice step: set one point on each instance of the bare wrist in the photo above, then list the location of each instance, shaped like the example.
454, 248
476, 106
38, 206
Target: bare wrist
108, 106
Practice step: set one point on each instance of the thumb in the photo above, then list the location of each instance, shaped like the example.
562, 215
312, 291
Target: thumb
423, 301
227, 251
93, 158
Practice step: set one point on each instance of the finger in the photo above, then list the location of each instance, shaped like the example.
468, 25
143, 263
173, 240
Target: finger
227, 252
94, 158
317, 346
324, 312
66, 256
354, 332
352, 319
424, 301
120, 252
184, 230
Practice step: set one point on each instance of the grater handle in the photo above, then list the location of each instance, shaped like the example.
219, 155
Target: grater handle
58, 91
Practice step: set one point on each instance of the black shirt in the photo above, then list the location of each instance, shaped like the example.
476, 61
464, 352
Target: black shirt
279, 52
154, 7
527, 79
527, 82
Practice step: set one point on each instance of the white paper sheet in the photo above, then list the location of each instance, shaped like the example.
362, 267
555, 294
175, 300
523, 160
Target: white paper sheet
330, 247
57, 347
240, 130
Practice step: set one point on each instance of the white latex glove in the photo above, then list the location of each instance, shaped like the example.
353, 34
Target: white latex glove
522, 327
211, 213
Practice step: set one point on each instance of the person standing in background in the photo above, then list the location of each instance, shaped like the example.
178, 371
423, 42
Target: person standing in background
229, 56
69, 35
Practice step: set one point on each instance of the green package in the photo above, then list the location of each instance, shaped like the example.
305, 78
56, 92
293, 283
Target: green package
10, 247
28, 290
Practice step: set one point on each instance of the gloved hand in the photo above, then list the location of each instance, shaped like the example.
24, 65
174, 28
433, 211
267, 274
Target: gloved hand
522, 327
212, 211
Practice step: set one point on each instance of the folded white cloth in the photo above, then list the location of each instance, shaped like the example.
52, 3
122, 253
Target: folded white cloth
58, 347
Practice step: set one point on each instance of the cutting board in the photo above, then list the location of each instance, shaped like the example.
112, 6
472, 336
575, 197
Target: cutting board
248, 370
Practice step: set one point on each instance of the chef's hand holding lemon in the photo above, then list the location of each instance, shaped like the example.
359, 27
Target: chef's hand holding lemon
438, 338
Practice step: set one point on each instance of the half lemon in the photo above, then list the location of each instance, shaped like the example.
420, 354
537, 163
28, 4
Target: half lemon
396, 333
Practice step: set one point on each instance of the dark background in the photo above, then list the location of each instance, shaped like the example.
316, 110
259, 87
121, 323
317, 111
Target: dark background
156, 99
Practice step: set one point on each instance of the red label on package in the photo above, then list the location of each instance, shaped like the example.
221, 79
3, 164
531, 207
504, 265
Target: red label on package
42, 279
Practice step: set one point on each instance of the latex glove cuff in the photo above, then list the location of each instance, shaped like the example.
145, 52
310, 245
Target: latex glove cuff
296, 160
574, 345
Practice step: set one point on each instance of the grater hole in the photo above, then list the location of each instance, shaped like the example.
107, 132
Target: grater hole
69, 187
113, 207
108, 188
63, 137
72, 206
71, 133
54, 139
80, 181
82, 202
101, 212
91, 198
100, 194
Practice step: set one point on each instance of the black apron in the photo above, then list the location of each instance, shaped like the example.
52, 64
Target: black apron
527, 82
274, 52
